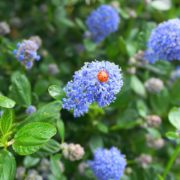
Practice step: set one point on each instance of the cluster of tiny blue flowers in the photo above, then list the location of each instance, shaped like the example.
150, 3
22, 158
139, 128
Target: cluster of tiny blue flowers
164, 42
102, 21
30, 109
86, 88
26, 53
108, 164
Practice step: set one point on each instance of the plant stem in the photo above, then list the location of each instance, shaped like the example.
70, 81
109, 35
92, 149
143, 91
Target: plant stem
171, 161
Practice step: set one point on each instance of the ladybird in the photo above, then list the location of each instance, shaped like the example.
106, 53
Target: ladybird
102, 76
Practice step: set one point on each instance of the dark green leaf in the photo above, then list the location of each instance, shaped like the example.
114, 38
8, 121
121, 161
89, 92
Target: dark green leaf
6, 121
61, 129
21, 89
51, 147
102, 127
47, 113
32, 136
7, 166
160, 102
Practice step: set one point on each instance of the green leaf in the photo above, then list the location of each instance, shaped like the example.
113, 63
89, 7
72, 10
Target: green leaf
51, 147
30, 161
55, 167
160, 102
56, 92
7, 166
154, 132
102, 127
142, 108
122, 46
47, 113
95, 142
172, 135
137, 86
174, 117
6, 121
21, 89
89, 45
5, 102
174, 92
162, 5
32, 136
61, 129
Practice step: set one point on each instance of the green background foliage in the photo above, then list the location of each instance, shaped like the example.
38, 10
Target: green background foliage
61, 26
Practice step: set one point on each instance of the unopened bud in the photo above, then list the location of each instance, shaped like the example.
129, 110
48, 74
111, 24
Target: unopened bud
156, 143
37, 40
53, 69
4, 28
115, 4
144, 160
44, 165
72, 151
20, 173
31, 109
82, 167
154, 85
131, 70
153, 120
33, 175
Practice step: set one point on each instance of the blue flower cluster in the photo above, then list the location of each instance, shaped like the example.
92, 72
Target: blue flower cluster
102, 21
108, 164
26, 53
98, 81
30, 109
164, 42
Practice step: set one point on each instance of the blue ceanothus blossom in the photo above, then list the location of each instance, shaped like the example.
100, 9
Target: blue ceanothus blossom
108, 164
26, 53
164, 42
98, 81
30, 109
102, 22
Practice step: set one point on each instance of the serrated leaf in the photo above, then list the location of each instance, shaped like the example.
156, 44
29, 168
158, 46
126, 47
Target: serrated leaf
32, 136
56, 92
7, 166
6, 121
5, 102
174, 117
21, 89
47, 113
61, 129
